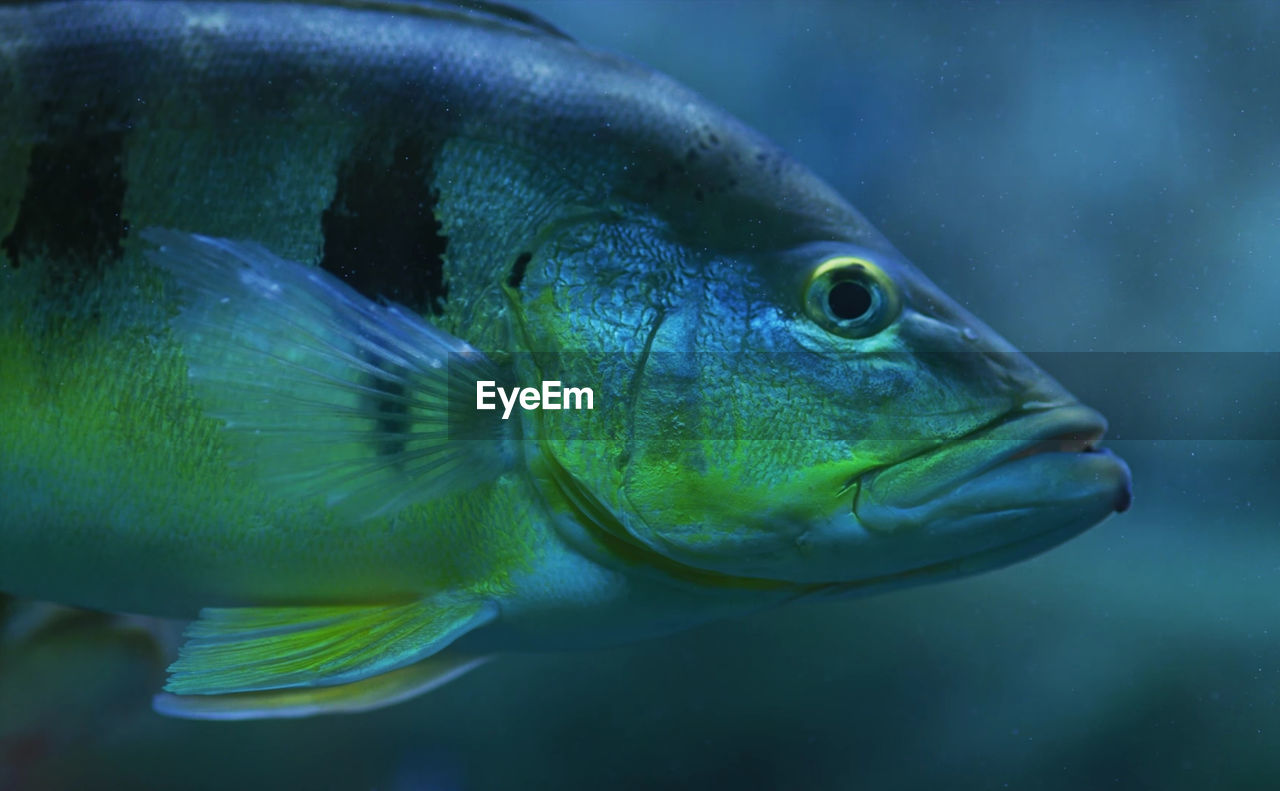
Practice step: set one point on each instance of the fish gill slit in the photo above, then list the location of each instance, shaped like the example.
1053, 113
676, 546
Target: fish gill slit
518, 267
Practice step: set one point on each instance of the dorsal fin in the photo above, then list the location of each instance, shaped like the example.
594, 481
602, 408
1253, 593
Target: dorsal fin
477, 11
473, 9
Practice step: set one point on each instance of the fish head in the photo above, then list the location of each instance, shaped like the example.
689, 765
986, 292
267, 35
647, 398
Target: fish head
783, 397
963, 455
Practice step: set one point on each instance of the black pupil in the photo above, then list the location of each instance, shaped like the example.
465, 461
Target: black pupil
848, 300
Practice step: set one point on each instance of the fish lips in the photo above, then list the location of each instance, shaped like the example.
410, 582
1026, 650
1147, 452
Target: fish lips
1003, 493
1032, 473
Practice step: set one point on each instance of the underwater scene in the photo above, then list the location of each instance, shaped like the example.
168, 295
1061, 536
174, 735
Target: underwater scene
632, 394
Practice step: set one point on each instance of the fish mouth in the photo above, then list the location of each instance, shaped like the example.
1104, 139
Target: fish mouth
1031, 466
1009, 490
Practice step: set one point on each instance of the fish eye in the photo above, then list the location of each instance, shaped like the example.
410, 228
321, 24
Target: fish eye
851, 297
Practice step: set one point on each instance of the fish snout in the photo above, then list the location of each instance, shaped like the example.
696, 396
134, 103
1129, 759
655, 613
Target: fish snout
1039, 464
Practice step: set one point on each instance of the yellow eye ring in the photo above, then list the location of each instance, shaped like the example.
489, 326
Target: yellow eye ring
851, 297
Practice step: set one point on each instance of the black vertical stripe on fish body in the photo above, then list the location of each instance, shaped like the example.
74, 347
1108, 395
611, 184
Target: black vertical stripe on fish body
383, 238
382, 235
67, 102
71, 210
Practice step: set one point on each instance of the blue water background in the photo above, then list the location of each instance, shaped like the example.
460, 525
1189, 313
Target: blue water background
1086, 177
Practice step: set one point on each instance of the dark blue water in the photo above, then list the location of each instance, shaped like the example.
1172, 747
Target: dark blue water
1086, 177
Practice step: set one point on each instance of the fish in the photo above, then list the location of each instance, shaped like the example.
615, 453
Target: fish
259, 260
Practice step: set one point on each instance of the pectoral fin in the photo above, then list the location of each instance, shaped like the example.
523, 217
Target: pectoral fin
250, 649
371, 693
324, 392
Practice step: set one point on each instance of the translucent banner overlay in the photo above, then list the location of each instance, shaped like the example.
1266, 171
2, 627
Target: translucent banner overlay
1175, 395
882, 396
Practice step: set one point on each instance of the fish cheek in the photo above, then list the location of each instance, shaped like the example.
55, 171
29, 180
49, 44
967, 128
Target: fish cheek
694, 517
732, 451
740, 508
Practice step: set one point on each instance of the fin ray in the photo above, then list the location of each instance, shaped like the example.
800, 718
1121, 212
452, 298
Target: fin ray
279, 351
358, 696
251, 649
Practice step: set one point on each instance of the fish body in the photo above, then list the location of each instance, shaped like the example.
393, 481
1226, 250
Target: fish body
256, 257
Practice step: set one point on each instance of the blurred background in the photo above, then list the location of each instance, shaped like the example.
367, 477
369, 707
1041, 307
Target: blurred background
1086, 177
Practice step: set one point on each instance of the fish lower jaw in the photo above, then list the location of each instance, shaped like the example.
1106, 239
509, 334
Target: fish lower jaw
860, 561
922, 482
988, 559
1044, 479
